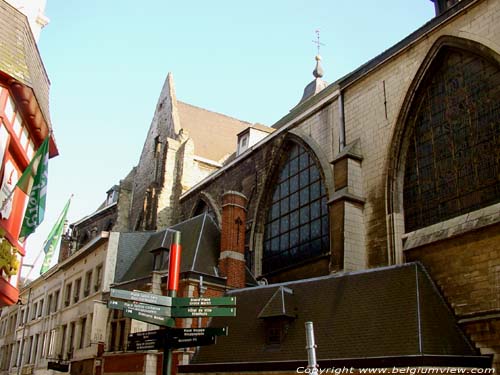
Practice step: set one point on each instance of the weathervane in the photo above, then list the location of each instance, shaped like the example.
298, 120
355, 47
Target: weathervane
317, 42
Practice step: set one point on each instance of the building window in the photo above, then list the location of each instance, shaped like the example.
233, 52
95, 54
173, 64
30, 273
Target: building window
82, 333
117, 338
49, 305
64, 333
88, 282
35, 348
56, 301
452, 164
33, 311
71, 339
52, 343
296, 227
202, 207
76, 295
67, 295
243, 143
275, 331
98, 278
40, 308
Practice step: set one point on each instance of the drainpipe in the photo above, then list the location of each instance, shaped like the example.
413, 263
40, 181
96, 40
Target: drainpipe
312, 365
341, 121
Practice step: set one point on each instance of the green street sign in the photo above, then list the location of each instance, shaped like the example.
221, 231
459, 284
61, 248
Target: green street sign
155, 299
195, 332
150, 309
148, 317
190, 312
200, 301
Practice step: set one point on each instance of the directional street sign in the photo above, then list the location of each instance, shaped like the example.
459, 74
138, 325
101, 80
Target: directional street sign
145, 345
174, 338
214, 301
159, 334
190, 312
144, 307
148, 317
194, 332
138, 296
147, 335
179, 342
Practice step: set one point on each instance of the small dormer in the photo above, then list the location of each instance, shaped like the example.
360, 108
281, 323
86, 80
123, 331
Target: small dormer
250, 136
442, 6
112, 195
278, 314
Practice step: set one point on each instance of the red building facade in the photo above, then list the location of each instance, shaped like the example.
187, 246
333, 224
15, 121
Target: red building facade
24, 124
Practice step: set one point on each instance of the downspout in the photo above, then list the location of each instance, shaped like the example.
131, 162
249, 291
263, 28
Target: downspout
341, 121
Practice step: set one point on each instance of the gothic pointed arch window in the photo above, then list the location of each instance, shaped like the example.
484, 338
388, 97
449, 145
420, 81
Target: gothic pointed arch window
453, 160
296, 224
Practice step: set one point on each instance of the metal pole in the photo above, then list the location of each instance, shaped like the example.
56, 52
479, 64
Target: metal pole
311, 349
174, 266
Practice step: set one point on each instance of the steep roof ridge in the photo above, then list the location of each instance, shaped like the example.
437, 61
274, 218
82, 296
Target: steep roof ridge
200, 235
269, 309
318, 278
215, 113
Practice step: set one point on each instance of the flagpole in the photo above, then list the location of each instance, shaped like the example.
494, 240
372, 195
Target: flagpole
36, 260
7, 200
49, 246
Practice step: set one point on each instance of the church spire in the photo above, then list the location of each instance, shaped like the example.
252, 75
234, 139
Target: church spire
317, 84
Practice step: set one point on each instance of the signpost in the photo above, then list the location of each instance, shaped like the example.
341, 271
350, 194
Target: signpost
174, 338
151, 309
161, 310
190, 332
192, 312
159, 320
155, 299
214, 301
187, 342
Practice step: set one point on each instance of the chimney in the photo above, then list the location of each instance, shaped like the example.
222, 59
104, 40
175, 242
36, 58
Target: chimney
65, 246
232, 252
442, 6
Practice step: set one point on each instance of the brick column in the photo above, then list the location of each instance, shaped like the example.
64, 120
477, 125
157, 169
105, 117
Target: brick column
232, 250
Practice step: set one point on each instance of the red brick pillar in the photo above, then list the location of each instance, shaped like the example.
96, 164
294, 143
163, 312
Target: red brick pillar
232, 249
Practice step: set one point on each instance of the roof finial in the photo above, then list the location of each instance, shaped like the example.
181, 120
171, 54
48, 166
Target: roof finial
318, 71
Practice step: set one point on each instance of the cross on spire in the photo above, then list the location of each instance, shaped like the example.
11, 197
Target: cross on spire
317, 42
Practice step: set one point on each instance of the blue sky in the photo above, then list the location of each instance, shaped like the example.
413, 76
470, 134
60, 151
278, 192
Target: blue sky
107, 61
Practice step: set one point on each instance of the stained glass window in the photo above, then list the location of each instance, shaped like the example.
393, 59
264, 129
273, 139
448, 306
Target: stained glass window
296, 228
453, 160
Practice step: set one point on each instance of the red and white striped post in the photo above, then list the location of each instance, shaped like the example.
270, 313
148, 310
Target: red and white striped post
174, 267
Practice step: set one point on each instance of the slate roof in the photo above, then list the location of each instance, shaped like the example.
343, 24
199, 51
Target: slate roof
129, 246
19, 55
213, 134
200, 248
388, 312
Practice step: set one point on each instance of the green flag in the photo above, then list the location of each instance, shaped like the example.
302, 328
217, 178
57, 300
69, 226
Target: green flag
51, 242
34, 182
